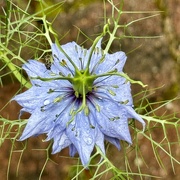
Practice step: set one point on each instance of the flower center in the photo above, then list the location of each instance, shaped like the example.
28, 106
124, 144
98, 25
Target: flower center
82, 82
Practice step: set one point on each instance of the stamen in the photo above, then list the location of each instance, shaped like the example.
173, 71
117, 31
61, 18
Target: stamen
37, 85
55, 56
76, 94
82, 49
124, 102
52, 74
115, 86
61, 74
50, 91
63, 63
86, 110
114, 118
42, 108
97, 107
111, 92
76, 48
117, 61
57, 115
91, 126
58, 99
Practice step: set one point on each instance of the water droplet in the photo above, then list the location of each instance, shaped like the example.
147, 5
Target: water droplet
46, 102
123, 116
88, 130
111, 130
88, 140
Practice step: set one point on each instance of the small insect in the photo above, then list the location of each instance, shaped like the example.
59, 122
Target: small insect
48, 61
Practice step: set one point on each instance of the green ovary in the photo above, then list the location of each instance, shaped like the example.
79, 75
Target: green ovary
82, 82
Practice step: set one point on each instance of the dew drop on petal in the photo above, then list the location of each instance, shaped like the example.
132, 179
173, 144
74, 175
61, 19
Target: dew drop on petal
100, 71
111, 130
46, 102
73, 122
88, 140
88, 130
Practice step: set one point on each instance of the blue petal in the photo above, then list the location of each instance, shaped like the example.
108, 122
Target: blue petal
72, 150
43, 121
59, 57
61, 121
38, 123
132, 114
34, 97
113, 120
96, 57
113, 141
76, 53
82, 136
98, 45
100, 139
61, 141
111, 62
114, 88
37, 69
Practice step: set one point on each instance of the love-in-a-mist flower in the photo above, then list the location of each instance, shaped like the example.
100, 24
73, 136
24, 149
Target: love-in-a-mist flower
80, 101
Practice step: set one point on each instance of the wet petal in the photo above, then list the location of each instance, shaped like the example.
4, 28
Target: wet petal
35, 68
115, 88
82, 136
61, 141
38, 123
113, 120
76, 53
33, 98
44, 120
100, 139
72, 150
132, 114
114, 141
111, 62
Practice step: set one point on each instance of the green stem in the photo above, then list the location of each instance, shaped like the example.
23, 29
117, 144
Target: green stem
112, 35
54, 78
122, 75
15, 71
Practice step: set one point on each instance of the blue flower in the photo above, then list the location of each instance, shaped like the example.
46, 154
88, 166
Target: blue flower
79, 101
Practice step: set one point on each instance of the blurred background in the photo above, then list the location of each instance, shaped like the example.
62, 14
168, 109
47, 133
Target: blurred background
154, 61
